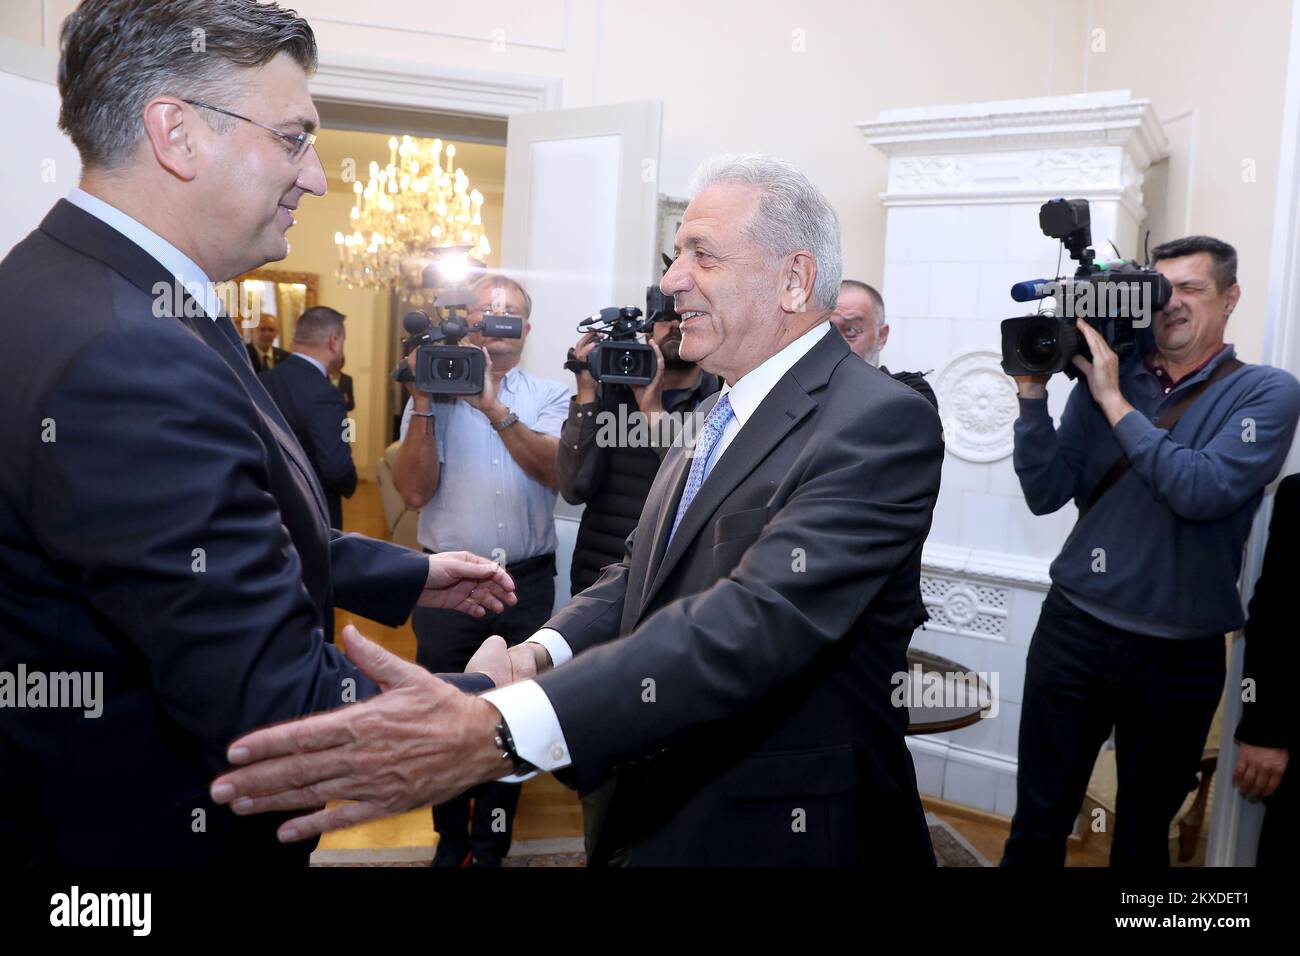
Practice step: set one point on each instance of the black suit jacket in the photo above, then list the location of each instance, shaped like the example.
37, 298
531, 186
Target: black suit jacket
314, 409
161, 527
917, 381
730, 692
1272, 655
255, 357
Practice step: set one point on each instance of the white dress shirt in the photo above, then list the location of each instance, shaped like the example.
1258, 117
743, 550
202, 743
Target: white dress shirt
527, 711
187, 273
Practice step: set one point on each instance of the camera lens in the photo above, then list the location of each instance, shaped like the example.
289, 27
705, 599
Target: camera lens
627, 363
451, 369
1039, 344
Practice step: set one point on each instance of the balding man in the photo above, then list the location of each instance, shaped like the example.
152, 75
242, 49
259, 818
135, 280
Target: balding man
262, 351
860, 317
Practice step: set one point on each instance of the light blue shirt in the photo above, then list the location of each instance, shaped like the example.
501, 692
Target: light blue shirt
320, 367
485, 502
190, 277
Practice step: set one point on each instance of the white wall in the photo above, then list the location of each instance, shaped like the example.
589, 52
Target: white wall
792, 80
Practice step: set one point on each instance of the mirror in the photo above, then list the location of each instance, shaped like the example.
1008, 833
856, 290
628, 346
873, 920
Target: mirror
286, 295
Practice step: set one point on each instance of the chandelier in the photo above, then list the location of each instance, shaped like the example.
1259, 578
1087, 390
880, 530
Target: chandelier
405, 211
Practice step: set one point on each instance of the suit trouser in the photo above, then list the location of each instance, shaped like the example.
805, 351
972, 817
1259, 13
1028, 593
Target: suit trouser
446, 640
1083, 677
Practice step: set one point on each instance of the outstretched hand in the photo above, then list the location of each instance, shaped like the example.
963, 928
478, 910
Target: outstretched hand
419, 742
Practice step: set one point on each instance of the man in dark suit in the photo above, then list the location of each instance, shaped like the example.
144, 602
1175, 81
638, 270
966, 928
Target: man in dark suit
729, 688
313, 407
262, 351
1269, 731
162, 535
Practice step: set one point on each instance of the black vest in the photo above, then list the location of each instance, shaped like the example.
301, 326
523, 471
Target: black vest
612, 512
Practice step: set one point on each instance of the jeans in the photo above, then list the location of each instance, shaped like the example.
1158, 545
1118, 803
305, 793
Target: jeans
1083, 678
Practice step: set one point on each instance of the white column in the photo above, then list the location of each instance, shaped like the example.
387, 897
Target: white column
965, 185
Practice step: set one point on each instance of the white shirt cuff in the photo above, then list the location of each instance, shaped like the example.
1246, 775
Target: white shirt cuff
533, 725
555, 645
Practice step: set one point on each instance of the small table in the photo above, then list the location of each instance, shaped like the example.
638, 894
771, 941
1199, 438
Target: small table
958, 710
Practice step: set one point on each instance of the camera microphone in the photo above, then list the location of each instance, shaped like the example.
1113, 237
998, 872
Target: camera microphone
1032, 289
416, 322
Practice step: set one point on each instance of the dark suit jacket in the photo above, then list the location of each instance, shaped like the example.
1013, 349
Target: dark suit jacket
345, 388
1272, 654
730, 693
314, 410
917, 381
256, 358
159, 526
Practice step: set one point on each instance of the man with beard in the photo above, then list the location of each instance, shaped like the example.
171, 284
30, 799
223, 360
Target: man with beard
613, 479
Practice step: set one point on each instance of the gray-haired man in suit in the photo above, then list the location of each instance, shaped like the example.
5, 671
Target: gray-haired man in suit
726, 687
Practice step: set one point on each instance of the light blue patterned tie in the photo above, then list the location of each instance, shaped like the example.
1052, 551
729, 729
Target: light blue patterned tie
708, 438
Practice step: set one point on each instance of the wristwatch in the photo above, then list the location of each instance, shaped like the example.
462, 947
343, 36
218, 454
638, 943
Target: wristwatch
506, 422
506, 744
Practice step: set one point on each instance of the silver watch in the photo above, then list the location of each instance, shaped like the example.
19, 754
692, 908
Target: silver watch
506, 422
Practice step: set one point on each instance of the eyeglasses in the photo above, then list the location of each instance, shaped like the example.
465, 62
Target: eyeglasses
299, 141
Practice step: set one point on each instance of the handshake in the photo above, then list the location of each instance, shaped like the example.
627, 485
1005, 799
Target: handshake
418, 742
507, 665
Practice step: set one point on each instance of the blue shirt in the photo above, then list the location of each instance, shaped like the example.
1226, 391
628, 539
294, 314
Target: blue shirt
1170, 532
187, 272
485, 501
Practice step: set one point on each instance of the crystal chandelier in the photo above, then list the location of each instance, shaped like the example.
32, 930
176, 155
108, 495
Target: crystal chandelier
407, 209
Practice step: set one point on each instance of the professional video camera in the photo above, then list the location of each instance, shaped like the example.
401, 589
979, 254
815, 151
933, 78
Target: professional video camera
1116, 297
618, 357
449, 368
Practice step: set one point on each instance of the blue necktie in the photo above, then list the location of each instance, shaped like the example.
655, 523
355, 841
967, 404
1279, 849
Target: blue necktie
705, 442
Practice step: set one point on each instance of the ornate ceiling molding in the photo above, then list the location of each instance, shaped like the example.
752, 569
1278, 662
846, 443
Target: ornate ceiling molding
1097, 146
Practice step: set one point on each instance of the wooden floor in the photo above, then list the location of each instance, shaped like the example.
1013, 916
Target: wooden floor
549, 810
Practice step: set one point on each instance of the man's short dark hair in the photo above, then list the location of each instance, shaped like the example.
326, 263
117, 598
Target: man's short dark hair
117, 55
317, 324
1222, 255
876, 297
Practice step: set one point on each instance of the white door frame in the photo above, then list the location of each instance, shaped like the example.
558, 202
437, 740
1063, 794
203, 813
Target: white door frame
422, 86
1235, 822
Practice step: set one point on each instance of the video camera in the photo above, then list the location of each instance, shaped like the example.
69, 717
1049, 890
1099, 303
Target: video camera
449, 368
617, 357
1116, 297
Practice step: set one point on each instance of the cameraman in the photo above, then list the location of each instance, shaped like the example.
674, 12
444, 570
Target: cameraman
1131, 633
614, 482
481, 469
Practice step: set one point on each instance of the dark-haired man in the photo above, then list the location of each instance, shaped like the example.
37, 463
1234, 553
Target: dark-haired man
313, 407
614, 479
1167, 457
162, 535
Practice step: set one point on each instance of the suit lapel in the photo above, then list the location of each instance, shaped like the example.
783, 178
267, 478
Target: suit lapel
787, 404
91, 236
237, 358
